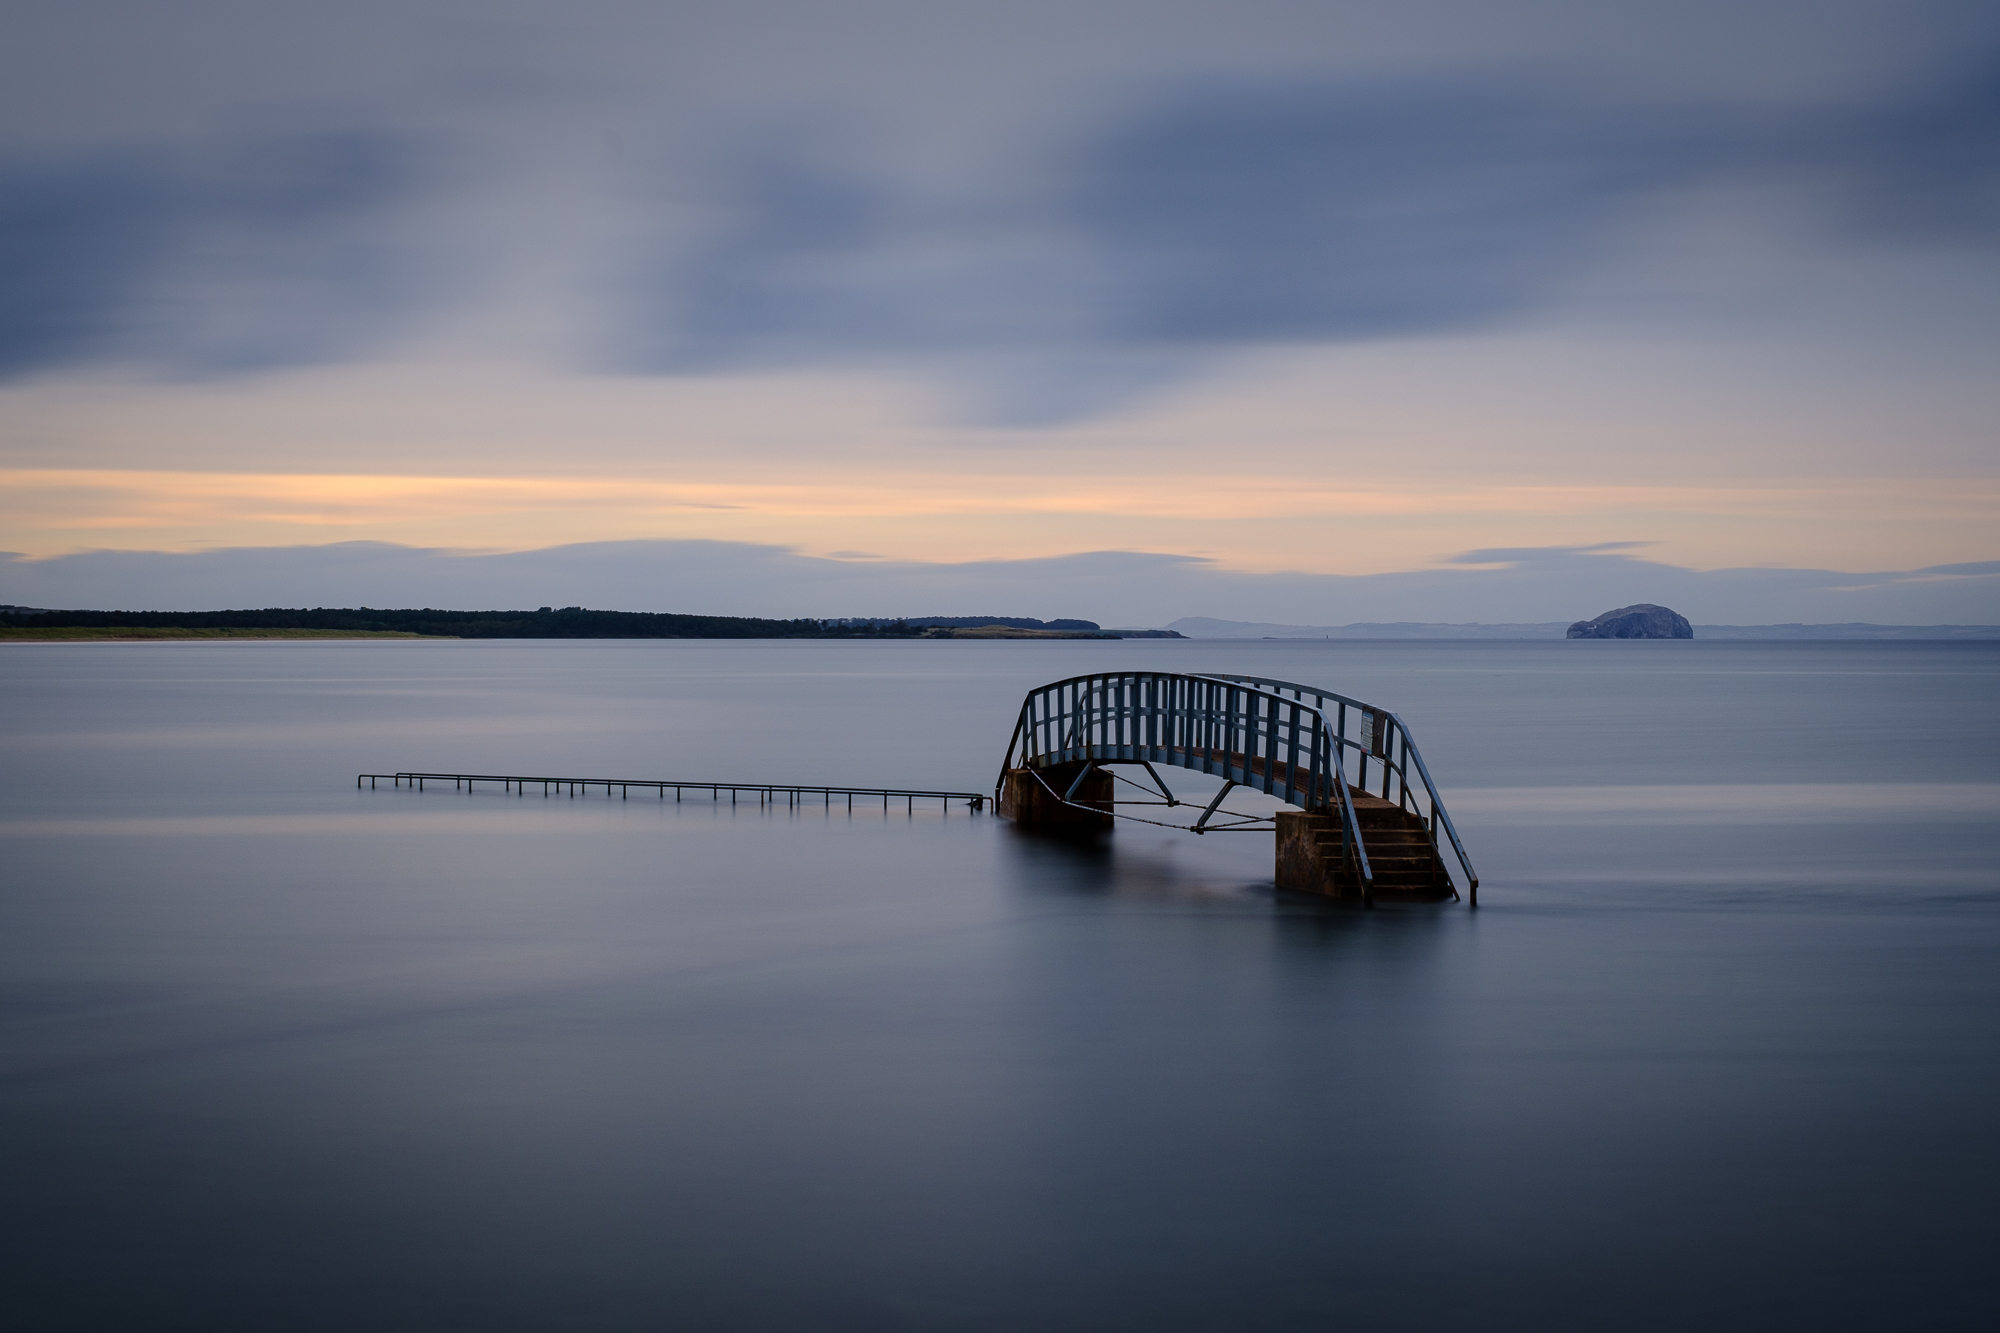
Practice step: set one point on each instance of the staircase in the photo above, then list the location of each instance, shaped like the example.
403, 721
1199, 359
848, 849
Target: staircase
1401, 853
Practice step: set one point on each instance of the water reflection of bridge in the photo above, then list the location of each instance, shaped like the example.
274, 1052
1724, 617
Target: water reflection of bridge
1368, 820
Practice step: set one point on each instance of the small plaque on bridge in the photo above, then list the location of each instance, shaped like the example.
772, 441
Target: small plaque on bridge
1374, 732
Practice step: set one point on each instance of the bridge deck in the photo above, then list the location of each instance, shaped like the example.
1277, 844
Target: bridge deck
1183, 756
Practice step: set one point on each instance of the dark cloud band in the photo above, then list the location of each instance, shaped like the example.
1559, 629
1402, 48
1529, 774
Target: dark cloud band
263, 253
1223, 215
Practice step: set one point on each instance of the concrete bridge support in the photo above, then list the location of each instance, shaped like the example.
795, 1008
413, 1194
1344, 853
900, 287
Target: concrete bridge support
1033, 797
1309, 855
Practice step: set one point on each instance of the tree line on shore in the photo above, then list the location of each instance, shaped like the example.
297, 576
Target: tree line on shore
570, 622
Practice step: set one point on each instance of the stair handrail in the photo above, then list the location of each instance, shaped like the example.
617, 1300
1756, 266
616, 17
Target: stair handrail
1437, 808
1354, 851
1410, 751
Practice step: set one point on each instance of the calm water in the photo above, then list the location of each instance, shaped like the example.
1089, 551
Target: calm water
1721, 1047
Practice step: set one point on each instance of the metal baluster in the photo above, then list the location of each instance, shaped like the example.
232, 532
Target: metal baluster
1292, 758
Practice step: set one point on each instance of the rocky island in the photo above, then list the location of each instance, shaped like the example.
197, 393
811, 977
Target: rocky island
1643, 621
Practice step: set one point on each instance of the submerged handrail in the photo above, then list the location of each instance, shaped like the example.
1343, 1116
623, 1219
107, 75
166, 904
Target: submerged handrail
766, 792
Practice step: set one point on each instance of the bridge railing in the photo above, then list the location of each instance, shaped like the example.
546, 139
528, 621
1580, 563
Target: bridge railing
1235, 729
1378, 735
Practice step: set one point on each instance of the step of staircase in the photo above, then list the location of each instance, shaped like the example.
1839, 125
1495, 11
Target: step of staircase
1402, 857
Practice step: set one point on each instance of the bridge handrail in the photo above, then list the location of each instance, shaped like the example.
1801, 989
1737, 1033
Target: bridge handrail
1023, 724
1410, 751
1322, 750
1437, 808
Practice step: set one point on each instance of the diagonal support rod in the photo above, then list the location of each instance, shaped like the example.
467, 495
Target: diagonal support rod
1227, 787
1083, 773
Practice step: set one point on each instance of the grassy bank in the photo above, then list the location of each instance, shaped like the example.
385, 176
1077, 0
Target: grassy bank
1009, 632
134, 633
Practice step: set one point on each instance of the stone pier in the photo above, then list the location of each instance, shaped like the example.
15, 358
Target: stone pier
1033, 797
1401, 853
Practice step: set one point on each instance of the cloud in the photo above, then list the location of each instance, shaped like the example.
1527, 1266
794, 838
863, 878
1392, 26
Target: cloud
1326, 211
1111, 587
233, 257
1210, 217
1515, 555
1131, 247
1921, 169
1974, 569
1216, 215
826, 263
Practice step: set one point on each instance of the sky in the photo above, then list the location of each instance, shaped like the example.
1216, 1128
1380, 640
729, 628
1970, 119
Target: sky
1501, 310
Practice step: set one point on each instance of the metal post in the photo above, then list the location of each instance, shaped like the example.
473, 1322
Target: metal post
1292, 758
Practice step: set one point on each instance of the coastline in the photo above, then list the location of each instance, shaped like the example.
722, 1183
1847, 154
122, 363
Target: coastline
142, 634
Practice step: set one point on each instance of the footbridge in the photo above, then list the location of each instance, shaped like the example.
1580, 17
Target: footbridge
1368, 821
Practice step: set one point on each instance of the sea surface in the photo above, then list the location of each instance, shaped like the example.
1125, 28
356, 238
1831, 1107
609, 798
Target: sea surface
1719, 1049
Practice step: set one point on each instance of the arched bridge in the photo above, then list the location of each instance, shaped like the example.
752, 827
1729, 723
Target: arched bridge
1368, 820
